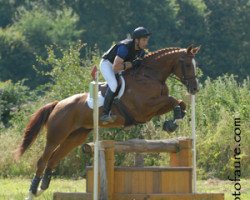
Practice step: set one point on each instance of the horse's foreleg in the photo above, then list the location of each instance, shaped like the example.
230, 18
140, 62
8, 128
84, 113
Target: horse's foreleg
76, 138
168, 104
163, 104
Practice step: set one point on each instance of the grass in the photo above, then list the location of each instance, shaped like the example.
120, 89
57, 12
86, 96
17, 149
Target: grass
17, 188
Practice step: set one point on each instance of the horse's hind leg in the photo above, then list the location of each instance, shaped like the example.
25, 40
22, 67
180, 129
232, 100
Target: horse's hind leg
53, 141
41, 164
76, 138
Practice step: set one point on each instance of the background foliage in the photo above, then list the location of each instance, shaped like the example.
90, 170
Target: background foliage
221, 27
218, 102
47, 49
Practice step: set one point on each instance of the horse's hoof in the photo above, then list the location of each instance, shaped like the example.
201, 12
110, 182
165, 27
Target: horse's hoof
39, 192
177, 112
30, 197
106, 119
170, 126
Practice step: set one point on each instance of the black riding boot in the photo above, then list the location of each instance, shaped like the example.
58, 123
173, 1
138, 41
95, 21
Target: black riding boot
109, 97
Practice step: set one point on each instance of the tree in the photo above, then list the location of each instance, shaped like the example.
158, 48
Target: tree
41, 27
106, 21
12, 96
7, 11
191, 23
16, 57
28, 37
228, 37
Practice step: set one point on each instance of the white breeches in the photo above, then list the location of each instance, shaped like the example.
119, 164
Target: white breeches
108, 74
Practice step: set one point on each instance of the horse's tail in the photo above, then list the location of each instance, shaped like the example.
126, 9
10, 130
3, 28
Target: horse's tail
37, 121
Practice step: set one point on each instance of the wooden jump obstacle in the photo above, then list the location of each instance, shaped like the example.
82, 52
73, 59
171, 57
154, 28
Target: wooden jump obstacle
142, 183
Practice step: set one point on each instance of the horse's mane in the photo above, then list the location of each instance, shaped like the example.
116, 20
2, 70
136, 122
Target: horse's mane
163, 52
151, 60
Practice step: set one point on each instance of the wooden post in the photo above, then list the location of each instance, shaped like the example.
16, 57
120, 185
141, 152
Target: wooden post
194, 140
96, 133
109, 150
139, 160
103, 175
183, 158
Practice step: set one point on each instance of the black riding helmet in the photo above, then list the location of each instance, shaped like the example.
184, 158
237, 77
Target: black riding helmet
140, 32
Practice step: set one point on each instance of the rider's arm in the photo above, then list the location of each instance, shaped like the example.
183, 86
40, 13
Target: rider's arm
119, 63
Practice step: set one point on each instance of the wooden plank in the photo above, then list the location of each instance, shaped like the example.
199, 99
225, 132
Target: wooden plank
134, 182
72, 196
157, 182
149, 168
87, 196
119, 182
142, 181
149, 182
89, 181
169, 196
153, 180
142, 145
149, 179
167, 183
128, 180
138, 182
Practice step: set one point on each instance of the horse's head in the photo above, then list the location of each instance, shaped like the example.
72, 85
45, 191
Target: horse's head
185, 69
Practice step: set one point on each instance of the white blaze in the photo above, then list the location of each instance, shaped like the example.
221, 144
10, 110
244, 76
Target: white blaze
194, 64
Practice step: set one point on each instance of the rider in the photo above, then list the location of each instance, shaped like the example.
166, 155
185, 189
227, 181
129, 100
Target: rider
122, 56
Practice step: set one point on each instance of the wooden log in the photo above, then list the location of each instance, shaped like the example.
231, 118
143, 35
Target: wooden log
198, 196
143, 146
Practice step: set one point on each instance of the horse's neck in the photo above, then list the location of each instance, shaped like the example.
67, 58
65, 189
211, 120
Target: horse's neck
160, 67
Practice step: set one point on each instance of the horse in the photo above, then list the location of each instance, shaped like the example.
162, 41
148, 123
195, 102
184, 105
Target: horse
146, 95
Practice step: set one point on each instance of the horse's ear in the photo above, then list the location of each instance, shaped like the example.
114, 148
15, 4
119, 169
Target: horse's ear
189, 49
195, 50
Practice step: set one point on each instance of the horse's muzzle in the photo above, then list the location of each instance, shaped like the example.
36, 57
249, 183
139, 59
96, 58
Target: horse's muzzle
192, 86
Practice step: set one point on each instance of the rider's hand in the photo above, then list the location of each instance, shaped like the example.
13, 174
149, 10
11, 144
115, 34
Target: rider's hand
128, 65
137, 62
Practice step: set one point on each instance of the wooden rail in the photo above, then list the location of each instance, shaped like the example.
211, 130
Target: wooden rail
143, 146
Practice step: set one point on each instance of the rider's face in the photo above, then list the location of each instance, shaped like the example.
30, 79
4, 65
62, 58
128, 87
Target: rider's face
142, 42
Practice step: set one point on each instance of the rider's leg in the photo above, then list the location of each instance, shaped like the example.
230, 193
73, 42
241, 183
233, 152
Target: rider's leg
109, 97
109, 76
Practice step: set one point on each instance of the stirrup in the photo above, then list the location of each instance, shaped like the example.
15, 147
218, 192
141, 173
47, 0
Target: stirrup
107, 118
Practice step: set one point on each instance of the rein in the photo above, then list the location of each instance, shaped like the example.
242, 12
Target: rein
184, 78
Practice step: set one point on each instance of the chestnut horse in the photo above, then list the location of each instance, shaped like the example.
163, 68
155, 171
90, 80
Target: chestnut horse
146, 95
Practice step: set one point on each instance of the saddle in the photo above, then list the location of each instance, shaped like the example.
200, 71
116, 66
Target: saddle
102, 89
120, 89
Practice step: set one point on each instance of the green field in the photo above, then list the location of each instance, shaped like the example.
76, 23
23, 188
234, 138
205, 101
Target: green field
16, 188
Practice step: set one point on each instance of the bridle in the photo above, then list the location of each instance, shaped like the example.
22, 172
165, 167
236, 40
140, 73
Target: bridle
184, 79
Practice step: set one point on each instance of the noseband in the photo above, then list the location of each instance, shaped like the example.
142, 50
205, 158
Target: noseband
185, 79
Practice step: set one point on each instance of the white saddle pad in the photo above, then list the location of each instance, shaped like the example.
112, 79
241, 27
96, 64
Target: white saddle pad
101, 98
